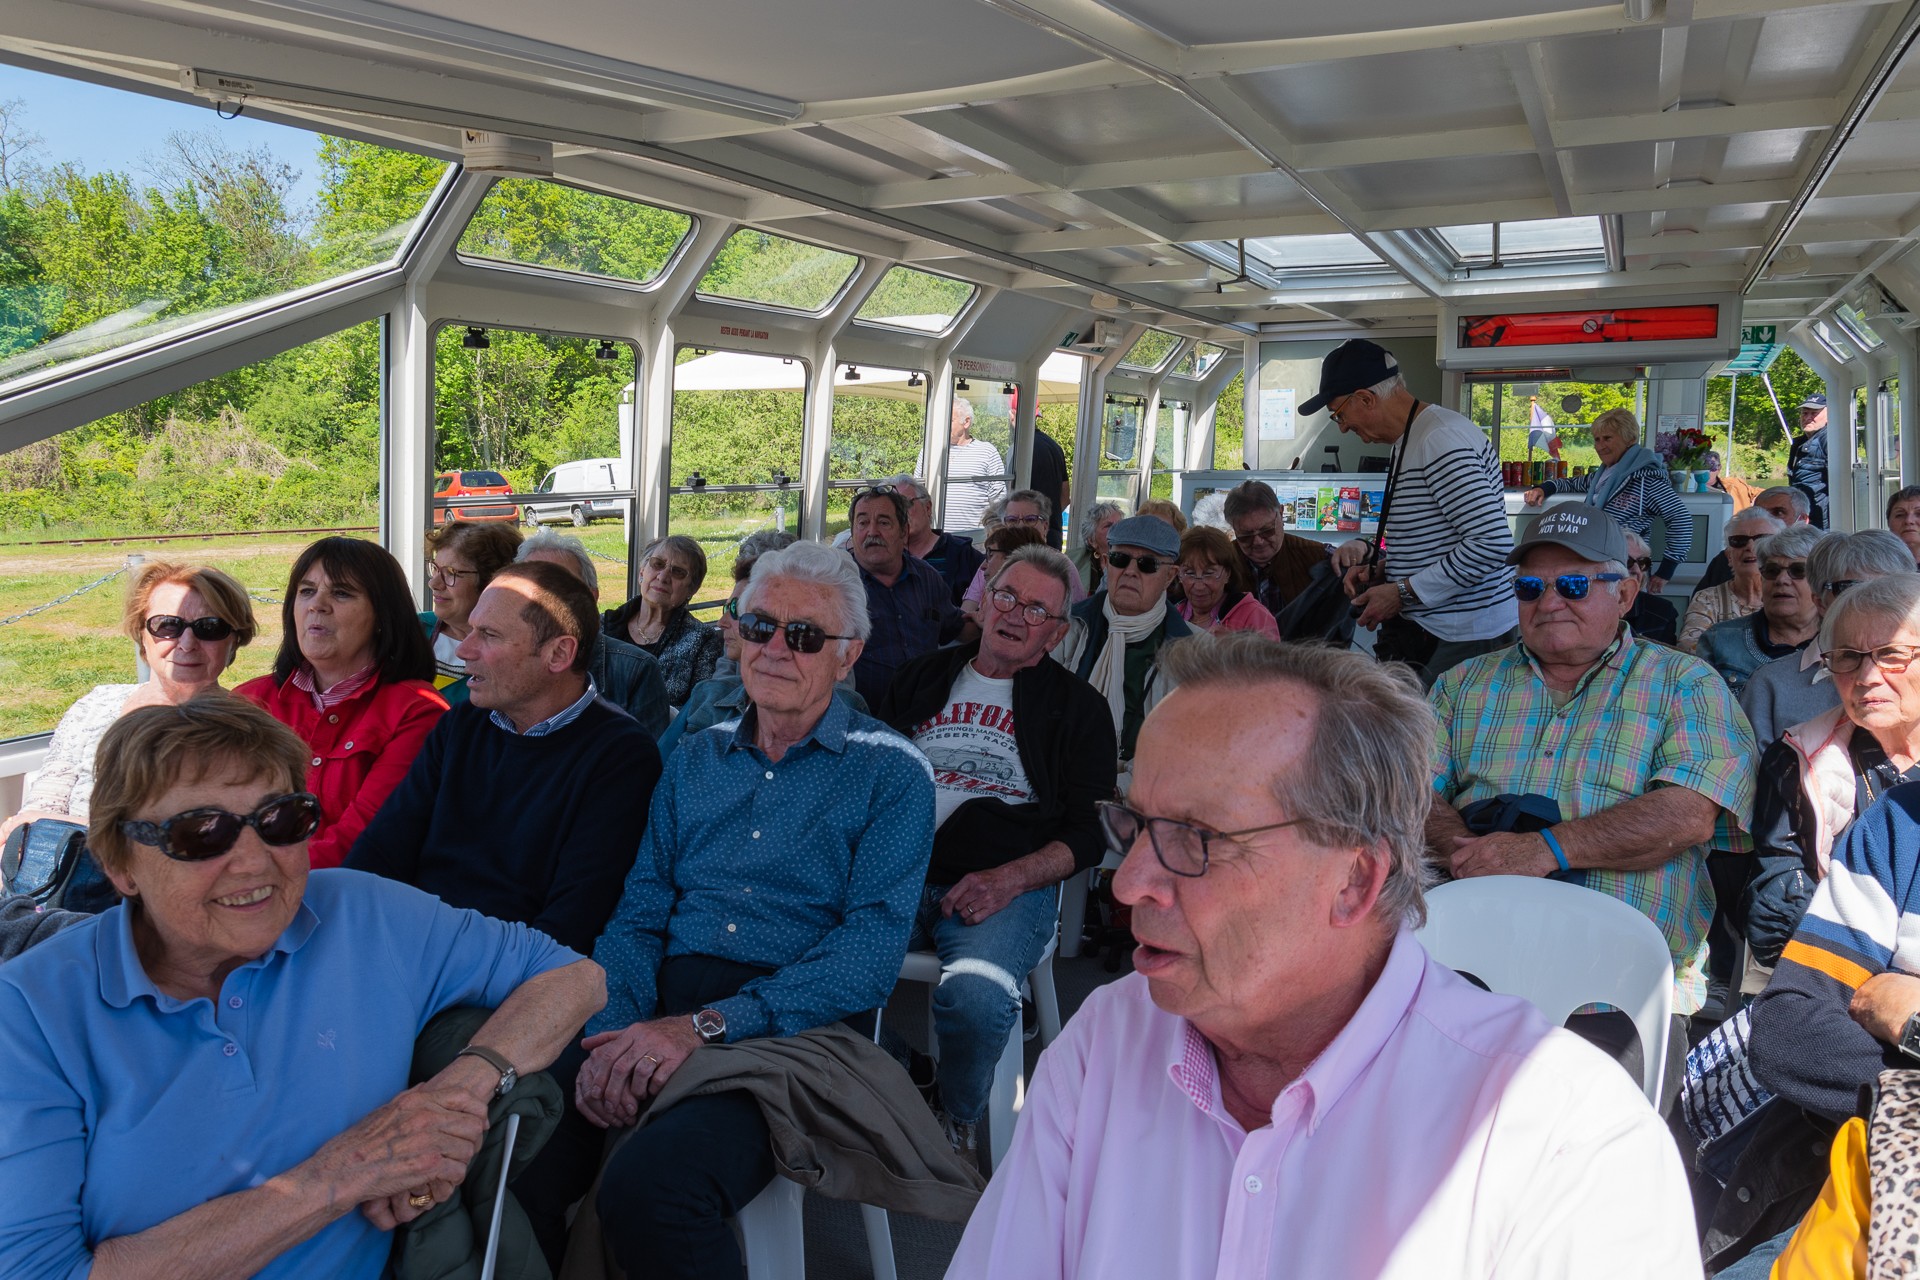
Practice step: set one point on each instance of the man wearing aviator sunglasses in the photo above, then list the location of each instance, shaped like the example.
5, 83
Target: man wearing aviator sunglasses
1639, 748
1021, 749
1115, 635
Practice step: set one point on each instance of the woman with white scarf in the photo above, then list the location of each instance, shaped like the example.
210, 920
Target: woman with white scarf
1114, 637
1632, 486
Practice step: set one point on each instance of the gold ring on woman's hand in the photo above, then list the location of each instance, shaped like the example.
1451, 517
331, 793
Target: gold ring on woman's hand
422, 1201
647, 1057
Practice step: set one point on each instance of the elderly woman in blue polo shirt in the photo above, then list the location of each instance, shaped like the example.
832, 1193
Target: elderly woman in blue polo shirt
210, 1079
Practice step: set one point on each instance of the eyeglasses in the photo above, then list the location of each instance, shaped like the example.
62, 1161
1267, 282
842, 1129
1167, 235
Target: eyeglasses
438, 570
678, 572
1268, 533
1774, 570
1640, 562
1182, 847
802, 637
1004, 600
1212, 573
1741, 541
1839, 585
1890, 658
732, 607
1121, 559
1335, 414
166, 626
1023, 519
1570, 586
199, 834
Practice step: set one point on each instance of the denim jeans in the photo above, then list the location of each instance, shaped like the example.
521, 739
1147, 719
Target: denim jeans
1758, 1265
981, 968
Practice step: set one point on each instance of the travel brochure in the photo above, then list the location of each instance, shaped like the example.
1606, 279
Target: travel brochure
1321, 508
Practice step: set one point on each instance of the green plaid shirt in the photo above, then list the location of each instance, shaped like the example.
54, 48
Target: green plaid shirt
1645, 716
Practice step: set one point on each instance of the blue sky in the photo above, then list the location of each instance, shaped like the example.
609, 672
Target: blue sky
102, 129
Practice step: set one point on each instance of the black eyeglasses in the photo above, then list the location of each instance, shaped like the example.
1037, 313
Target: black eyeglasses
1839, 584
437, 570
802, 637
1121, 559
1570, 586
1741, 541
1890, 658
166, 626
199, 834
1772, 571
1182, 847
1640, 562
1005, 601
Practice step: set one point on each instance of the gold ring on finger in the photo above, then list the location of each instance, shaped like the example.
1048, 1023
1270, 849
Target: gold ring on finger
422, 1201
647, 1057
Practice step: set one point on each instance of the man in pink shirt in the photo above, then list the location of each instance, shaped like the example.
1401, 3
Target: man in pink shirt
1289, 1086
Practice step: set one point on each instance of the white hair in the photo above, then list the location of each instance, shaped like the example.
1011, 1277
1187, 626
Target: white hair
814, 564
1758, 516
919, 486
1386, 387
572, 548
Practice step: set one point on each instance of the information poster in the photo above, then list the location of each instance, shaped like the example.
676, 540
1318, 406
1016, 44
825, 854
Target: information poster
1671, 422
1276, 413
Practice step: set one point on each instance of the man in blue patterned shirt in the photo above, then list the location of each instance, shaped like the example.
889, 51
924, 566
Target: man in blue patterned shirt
774, 892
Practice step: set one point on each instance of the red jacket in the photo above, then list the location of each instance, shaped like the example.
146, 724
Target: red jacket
361, 750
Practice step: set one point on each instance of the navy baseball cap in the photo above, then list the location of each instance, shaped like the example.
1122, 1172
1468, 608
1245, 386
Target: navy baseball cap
1354, 365
1814, 401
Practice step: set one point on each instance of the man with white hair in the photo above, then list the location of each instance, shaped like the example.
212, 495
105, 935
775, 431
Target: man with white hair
973, 470
1639, 748
1289, 1085
1435, 581
773, 893
625, 674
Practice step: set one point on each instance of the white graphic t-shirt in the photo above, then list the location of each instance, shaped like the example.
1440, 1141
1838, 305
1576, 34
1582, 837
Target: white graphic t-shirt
970, 744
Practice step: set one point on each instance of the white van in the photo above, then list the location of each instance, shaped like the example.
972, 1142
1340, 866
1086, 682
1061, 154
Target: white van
588, 476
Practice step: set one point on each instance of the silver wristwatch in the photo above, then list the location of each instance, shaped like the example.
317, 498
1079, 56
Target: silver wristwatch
712, 1026
1407, 599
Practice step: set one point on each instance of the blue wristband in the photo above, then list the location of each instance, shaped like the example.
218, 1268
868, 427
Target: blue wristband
1553, 847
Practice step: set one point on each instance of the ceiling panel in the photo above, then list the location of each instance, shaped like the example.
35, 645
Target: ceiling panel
1604, 75
1812, 52
1107, 124
804, 51
1220, 21
1424, 182
1260, 195
1894, 145
1438, 89
1774, 153
1624, 166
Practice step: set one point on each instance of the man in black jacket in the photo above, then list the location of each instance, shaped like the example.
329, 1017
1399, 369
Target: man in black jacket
1022, 749
1807, 458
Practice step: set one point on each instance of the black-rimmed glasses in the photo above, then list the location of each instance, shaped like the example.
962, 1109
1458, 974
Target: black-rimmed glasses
200, 834
1772, 572
167, 626
802, 637
1182, 847
1839, 585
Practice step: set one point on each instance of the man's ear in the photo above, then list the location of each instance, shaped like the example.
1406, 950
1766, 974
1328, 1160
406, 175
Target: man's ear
561, 651
1366, 879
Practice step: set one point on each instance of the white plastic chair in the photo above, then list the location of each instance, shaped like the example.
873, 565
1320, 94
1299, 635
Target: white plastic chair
773, 1235
1558, 946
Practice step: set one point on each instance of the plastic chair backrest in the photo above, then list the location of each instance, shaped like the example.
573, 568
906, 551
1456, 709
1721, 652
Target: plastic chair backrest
1558, 946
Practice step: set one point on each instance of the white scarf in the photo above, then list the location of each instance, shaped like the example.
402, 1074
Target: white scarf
1109, 674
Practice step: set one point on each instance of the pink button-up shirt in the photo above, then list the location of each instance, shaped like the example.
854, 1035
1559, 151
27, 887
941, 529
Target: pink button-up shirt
1445, 1132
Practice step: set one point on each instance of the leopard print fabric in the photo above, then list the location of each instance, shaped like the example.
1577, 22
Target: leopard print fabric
1893, 1169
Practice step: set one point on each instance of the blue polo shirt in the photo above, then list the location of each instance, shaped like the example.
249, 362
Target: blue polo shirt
811, 865
122, 1107
913, 616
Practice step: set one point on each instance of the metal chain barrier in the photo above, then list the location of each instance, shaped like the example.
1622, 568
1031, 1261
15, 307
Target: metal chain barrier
59, 600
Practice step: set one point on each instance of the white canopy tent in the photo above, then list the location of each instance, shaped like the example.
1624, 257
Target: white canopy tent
734, 371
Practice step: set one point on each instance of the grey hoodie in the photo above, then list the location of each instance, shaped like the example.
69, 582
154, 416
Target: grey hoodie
23, 924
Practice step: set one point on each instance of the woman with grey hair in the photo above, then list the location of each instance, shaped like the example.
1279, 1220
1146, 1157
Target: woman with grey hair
657, 619
1786, 620
1651, 617
1740, 596
1795, 688
1090, 557
1631, 486
1825, 771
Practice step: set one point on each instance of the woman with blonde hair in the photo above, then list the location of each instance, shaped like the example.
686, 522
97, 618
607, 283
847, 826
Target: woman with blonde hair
1631, 486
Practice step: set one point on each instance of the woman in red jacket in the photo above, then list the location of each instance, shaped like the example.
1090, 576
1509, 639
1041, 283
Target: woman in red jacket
354, 678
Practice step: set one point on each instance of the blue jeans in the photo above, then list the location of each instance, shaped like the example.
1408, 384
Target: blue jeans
1758, 1265
981, 968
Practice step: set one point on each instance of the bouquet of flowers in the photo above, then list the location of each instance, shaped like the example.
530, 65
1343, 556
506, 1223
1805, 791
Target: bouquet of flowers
1685, 449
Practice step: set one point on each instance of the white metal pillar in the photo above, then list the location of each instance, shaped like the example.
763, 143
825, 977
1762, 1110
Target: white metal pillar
1086, 437
816, 433
940, 403
1905, 343
1200, 426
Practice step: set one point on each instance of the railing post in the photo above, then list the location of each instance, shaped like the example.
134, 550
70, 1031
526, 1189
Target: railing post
141, 672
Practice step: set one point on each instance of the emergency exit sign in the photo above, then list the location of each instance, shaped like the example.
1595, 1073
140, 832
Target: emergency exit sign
1758, 335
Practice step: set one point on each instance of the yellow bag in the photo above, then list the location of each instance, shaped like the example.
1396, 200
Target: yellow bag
1831, 1242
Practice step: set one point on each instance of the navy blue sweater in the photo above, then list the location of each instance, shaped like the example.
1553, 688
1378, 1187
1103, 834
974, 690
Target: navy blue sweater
541, 831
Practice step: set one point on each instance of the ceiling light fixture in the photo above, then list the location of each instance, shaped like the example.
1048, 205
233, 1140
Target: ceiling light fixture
605, 350
962, 385
915, 380
853, 373
476, 339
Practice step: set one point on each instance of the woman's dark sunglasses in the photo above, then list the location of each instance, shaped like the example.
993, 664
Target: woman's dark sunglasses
1741, 541
166, 626
732, 608
1798, 569
1121, 559
1571, 586
802, 637
199, 834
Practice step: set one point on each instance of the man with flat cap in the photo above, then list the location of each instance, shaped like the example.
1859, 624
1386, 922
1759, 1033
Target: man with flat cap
1807, 459
1114, 637
1435, 582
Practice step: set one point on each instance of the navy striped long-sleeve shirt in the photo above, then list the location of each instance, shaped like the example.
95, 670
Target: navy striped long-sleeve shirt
1648, 492
1447, 529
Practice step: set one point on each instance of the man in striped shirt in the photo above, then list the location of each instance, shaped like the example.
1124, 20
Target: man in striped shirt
1440, 592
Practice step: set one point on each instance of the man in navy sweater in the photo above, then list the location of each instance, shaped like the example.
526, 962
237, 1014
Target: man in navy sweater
530, 803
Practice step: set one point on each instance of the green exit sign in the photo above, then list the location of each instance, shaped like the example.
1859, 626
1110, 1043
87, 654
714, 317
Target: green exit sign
1758, 335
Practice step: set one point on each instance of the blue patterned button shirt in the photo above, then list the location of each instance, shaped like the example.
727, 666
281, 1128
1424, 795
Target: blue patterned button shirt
811, 866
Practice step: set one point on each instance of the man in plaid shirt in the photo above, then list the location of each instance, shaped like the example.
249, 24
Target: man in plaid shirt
1641, 747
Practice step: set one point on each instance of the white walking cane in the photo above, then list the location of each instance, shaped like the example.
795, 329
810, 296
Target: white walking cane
500, 1199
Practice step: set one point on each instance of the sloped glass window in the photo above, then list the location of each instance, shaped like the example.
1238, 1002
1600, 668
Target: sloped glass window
532, 223
173, 219
916, 300
1533, 239
754, 266
1151, 350
1199, 362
